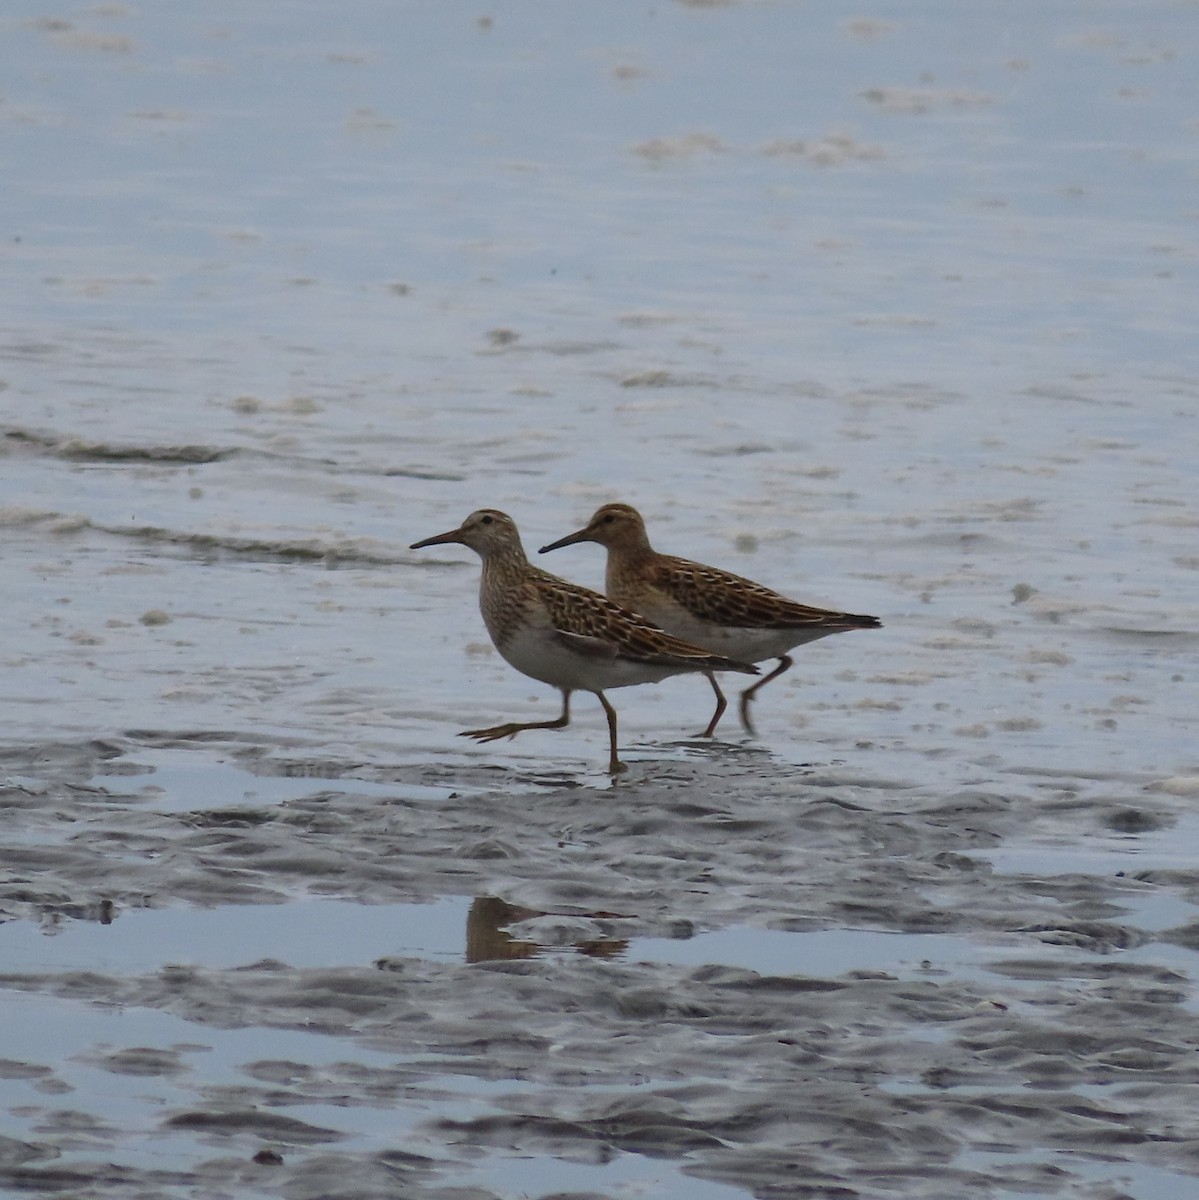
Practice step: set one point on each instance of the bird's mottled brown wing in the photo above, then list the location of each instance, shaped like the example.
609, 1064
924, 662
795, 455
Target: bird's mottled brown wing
580, 612
727, 599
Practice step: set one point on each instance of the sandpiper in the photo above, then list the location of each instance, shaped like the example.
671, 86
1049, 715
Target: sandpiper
567, 636
705, 605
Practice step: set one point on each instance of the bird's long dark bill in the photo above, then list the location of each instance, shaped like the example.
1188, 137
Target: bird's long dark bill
583, 535
442, 539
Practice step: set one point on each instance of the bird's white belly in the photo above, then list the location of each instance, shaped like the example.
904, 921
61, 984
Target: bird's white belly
541, 654
747, 645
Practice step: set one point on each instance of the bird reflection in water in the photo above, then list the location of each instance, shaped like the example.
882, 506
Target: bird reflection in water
54, 918
488, 939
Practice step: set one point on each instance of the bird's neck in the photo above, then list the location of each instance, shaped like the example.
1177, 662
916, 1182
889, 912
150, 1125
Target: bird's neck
504, 567
626, 559
500, 593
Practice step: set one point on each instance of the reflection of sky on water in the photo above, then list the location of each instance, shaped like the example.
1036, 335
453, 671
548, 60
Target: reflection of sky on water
330, 933
308, 933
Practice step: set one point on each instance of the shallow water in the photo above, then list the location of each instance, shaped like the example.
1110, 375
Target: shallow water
890, 310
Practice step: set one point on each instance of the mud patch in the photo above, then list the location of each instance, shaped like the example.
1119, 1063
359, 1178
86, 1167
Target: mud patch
735, 968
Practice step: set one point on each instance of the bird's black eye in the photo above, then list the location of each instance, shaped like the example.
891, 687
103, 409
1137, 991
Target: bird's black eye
487, 520
609, 519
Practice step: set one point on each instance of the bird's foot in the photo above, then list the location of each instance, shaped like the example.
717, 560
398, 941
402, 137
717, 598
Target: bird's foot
510, 730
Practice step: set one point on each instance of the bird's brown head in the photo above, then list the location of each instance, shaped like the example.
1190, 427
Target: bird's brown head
618, 525
487, 532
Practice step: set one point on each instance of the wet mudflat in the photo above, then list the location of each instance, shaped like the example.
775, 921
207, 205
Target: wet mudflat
892, 311
747, 971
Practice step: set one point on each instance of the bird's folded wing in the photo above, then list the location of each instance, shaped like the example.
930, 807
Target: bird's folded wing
592, 624
587, 647
600, 629
727, 599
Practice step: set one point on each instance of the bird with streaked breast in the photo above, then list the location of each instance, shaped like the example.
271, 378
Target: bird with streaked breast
565, 635
705, 605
